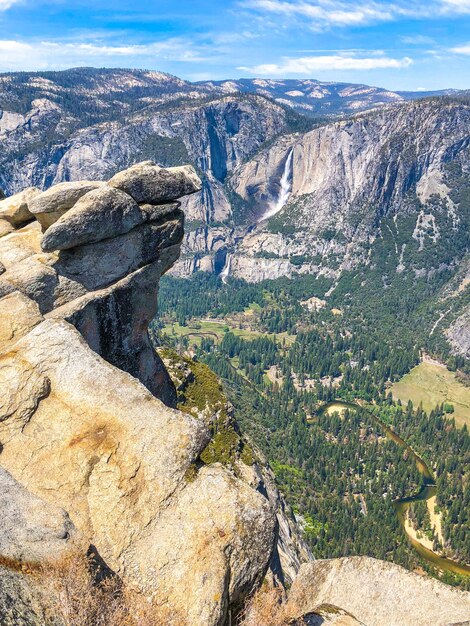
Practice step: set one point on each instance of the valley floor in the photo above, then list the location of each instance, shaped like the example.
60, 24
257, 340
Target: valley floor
282, 363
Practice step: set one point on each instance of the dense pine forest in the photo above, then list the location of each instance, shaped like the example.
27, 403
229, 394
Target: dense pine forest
282, 361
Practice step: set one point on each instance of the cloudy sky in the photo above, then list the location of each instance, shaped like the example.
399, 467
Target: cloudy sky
399, 44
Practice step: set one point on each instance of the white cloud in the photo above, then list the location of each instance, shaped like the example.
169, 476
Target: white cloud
305, 66
417, 40
6, 4
459, 6
18, 55
465, 49
320, 14
326, 12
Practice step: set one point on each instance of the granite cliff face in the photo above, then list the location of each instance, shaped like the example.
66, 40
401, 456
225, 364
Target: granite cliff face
400, 173
408, 163
82, 426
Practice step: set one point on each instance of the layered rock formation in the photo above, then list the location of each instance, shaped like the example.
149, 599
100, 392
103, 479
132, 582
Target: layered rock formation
82, 425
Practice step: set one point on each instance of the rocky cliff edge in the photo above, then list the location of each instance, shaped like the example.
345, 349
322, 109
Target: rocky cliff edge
92, 447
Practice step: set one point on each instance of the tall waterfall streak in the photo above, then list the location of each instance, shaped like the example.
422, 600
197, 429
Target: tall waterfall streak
224, 274
286, 188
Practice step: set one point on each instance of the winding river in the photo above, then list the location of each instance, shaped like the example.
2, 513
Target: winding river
428, 491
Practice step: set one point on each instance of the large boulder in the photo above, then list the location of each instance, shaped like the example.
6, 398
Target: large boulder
148, 183
105, 213
212, 545
15, 209
48, 206
100, 214
377, 593
32, 531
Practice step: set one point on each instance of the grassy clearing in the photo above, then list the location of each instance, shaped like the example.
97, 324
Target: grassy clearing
253, 307
196, 332
431, 385
217, 329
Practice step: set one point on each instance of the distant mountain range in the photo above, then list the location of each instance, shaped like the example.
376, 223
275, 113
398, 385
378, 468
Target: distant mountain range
313, 97
371, 178
105, 93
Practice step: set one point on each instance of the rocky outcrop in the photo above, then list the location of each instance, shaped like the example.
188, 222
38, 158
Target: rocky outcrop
378, 593
458, 334
82, 422
150, 184
57, 200
16, 209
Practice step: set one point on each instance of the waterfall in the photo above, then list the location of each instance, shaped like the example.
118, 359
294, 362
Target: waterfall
286, 188
226, 269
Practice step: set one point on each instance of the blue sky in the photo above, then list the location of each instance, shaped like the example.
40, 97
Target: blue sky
398, 44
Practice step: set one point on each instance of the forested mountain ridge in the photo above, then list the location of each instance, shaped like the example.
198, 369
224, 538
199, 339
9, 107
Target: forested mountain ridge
103, 93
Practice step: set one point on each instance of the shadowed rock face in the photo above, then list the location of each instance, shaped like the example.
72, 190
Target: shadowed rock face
83, 428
